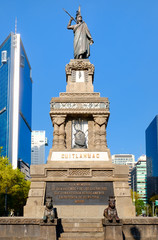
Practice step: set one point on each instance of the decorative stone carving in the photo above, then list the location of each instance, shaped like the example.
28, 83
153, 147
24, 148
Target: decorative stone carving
58, 120
94, 105
20, 221
100, 131
100, 120
79, 65
79, 172
66, 94
59, 131
57, 173
89, 105
102, 173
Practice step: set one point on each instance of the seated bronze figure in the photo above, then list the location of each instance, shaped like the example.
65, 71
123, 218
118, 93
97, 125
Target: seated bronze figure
110, 212
49, 213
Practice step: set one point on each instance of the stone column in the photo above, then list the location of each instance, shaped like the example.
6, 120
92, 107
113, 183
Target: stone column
55, 134
100, 131
59, 132
62, 134
103, 140
97, 136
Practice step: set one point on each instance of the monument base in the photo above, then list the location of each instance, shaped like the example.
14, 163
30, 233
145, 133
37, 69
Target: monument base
20, 228
79, 189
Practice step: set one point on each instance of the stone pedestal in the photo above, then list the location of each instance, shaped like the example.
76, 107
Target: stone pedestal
19, 228
79, 174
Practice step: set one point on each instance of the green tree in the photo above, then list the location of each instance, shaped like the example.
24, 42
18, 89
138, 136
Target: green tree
149, 210
153, 198
151, 202
134, 195
13, 185
139, 204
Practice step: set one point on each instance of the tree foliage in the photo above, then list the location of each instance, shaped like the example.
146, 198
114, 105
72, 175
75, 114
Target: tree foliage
13, 185
135, 196
153, 198
139, 204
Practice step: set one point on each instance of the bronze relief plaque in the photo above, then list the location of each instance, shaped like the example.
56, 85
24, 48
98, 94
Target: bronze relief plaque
79, 193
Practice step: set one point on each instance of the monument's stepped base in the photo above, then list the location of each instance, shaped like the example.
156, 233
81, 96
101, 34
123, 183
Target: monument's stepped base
20, 228
85, 229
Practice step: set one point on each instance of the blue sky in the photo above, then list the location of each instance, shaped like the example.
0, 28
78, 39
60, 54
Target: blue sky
125, 55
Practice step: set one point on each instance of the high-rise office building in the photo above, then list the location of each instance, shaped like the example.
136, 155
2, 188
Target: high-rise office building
15, 101
38, 143
24, 168
152, 157
124, 159
138, 178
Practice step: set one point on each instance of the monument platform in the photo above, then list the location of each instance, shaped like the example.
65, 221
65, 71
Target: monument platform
20, 228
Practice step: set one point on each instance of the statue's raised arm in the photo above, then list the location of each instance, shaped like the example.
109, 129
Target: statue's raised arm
82, 37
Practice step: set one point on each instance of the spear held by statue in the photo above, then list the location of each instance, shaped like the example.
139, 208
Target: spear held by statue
70, 15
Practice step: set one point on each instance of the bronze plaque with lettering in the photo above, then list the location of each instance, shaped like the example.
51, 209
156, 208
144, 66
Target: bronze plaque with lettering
79, 193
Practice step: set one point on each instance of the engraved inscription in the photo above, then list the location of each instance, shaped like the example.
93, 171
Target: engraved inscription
86, 193
80, 156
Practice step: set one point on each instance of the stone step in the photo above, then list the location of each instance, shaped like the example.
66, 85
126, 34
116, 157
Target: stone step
91, 220
85, 234
83, 229
81, 224
82, 238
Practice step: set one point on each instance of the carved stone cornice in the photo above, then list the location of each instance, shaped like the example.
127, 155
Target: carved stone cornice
79, 111
82, 94
78, 65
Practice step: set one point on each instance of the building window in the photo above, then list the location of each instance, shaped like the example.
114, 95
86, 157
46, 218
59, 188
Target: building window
22, 61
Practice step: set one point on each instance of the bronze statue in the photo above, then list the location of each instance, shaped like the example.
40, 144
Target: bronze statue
110, 212
49, 213
80, 138
82, 37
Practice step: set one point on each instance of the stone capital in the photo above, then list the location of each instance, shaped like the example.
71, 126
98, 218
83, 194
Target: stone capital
59, 120
100, 119
79, 64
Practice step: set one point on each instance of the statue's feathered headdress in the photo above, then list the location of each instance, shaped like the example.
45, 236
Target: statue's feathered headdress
78, 12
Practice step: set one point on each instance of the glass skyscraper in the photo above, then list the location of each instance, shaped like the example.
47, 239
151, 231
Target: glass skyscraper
38, 143
152, 148
15, 101
138, 178
152, 157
